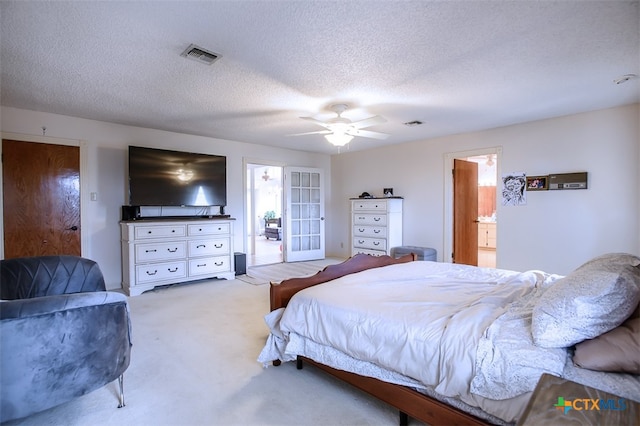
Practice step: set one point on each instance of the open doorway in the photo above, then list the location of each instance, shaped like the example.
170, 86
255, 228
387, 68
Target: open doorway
487, 160
487, 218
264, 214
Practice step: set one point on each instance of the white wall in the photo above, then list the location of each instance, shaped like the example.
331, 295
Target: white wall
557, 230
104, 147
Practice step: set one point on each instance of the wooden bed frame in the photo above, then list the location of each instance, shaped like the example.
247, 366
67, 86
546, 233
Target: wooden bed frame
409, 402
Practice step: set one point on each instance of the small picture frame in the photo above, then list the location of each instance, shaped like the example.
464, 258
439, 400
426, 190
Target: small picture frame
537, 183
388, 192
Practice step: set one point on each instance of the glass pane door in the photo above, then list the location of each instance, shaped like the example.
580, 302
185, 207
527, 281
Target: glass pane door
304, 230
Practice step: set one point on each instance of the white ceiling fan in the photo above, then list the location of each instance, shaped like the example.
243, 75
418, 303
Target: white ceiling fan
340, 131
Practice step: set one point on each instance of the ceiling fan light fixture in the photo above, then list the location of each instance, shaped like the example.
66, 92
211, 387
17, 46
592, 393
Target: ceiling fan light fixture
338, 139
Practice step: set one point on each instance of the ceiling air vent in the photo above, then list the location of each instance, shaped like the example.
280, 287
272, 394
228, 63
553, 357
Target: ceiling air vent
413, 123
199, 54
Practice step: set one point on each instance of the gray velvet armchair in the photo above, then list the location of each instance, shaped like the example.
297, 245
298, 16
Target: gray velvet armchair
61, 334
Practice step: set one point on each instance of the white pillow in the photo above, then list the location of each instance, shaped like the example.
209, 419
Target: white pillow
593, 299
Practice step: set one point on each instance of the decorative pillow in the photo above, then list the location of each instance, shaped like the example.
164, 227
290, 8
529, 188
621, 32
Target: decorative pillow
609, 259
593, 299
617, 350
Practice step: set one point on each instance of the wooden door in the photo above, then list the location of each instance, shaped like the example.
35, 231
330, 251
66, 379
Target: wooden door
465, 212
41, 196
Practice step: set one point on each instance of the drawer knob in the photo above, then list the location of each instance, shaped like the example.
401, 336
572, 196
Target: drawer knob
376, 243
173, 251
219, 263
360, 241
172, 270
151, 251
360, 229
201, 265
376, 231
218, 245
201, 245
152, 273
377, 219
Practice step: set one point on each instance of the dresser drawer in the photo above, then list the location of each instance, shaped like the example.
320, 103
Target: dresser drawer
209, 265
214, 246
142, 232
370, 219
161, 271
153, 252
370, 243
358, 250
369, 231
209, 229
371, 205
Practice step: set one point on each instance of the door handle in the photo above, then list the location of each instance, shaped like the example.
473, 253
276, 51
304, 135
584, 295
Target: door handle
73, 228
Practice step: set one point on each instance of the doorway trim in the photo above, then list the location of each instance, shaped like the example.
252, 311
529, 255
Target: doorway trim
85, 221
245, 208
448, 192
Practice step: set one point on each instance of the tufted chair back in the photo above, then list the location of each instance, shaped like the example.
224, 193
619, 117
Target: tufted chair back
29, 277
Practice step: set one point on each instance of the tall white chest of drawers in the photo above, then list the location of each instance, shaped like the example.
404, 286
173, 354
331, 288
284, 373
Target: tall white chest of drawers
164, 252
376, 225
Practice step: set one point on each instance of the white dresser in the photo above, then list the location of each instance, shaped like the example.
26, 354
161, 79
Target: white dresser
171, 251
376, 225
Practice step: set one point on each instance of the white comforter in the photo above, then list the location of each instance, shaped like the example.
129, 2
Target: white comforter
460, 331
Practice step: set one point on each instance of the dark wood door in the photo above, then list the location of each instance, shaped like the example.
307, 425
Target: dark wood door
465, 212
41, 199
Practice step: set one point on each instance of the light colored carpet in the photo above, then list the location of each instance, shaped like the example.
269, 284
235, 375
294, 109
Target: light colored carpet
194, 362
263, 274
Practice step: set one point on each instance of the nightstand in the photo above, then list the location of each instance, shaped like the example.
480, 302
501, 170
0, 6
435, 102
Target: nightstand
559, 401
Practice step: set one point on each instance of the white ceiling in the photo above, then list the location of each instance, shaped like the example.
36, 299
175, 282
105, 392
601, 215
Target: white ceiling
457, 66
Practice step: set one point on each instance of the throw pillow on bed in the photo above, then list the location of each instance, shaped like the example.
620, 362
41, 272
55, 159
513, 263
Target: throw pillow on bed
617, 350
595, 298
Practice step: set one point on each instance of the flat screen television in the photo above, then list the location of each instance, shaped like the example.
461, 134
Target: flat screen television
159, 177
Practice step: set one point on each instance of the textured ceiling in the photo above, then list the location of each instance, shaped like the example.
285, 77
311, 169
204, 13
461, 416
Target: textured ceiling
457, 66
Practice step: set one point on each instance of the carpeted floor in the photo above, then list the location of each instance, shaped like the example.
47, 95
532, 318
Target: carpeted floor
194, 363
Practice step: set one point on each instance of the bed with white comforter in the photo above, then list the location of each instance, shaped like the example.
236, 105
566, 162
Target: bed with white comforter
459, 333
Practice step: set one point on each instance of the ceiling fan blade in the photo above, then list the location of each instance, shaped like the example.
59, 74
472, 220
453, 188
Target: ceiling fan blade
372, 121
318, 122
319, 132
367, 134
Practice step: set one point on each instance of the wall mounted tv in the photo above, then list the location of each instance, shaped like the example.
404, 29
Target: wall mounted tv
159, 177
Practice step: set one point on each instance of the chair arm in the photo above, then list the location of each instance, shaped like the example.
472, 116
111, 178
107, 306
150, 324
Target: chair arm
56, 348
25, 308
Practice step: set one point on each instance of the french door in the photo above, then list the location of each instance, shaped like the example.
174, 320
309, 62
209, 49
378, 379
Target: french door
304, 214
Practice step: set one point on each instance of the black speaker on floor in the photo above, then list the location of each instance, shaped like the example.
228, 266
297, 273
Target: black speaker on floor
130, 212
241, 263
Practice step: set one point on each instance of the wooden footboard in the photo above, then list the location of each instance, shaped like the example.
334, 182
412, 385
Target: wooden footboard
408, 401
281, 293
